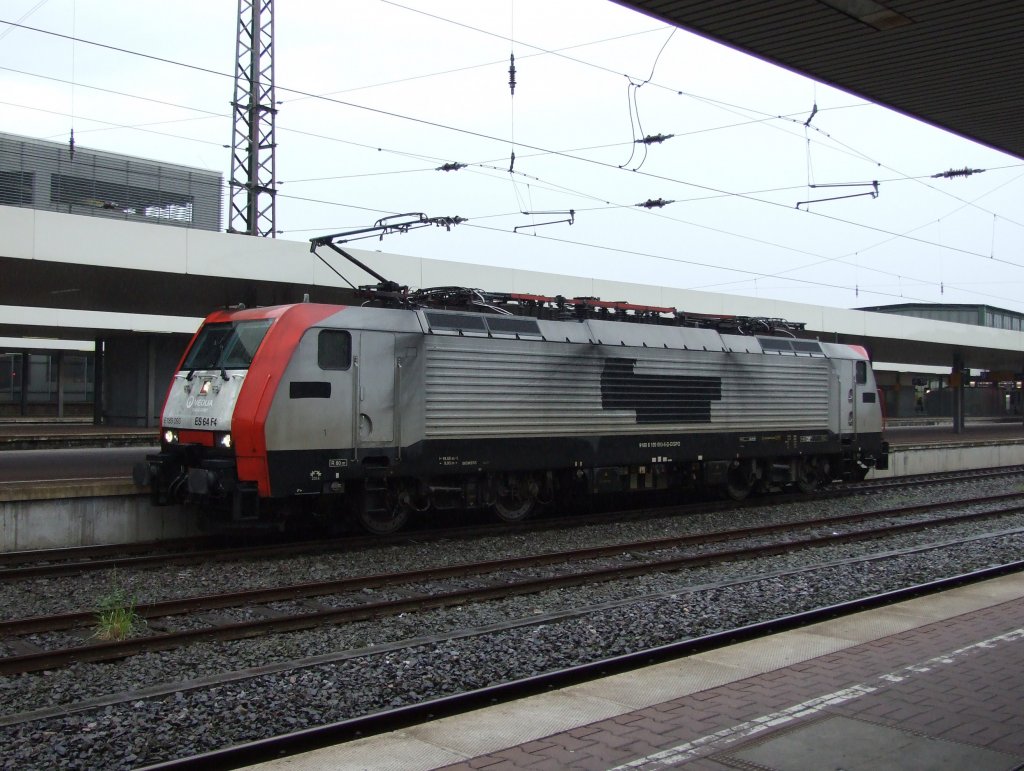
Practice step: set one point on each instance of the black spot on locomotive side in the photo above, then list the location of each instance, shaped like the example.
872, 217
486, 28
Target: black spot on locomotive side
658, 398
299, 389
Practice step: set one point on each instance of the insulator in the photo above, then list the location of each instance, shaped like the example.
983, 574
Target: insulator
652, 139
447, 222
512, 73
71, 145
964, 172
455, 166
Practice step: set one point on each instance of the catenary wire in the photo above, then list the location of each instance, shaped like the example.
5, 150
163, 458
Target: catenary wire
209, 113
542, 150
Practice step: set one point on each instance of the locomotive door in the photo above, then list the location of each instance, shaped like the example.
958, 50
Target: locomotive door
856, 387
845, 398
375, 389
868, 418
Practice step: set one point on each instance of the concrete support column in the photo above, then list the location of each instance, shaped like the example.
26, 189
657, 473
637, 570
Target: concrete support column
97, 383
61, 372
957, 381
151, 382
24, 383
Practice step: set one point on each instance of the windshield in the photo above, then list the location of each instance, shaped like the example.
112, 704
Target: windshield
226, 345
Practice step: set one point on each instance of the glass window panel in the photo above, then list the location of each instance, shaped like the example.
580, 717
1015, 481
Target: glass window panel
334, 349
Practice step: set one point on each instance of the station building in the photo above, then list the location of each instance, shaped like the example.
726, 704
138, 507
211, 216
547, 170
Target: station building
925, 392
44, 378
110, 262
54, 176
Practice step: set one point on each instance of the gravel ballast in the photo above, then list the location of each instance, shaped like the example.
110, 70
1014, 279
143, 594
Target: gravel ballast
376, 670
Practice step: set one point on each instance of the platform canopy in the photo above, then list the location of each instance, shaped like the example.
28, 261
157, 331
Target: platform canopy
956, 64
150, 278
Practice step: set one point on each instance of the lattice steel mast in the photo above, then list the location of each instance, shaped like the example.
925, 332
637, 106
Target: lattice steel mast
253, 171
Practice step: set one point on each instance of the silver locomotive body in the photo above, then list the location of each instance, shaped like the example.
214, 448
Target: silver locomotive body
386, 412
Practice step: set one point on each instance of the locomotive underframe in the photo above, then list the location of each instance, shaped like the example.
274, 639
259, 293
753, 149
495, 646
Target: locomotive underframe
384, 486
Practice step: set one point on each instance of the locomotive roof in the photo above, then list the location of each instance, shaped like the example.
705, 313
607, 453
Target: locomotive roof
612, 332
616, 326
560, 308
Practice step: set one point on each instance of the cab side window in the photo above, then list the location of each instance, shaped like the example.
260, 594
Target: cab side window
862, 372
334, 349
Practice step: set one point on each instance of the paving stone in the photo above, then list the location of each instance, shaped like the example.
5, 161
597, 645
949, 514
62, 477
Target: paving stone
933, 691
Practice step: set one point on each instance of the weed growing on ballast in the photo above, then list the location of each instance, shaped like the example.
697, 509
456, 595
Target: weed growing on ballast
116, 617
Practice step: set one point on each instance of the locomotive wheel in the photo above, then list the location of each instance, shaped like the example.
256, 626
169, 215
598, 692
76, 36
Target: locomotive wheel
514, 498
514, 503
808, 476
383, 521
513, 509
738, 484
740, 480
381, 513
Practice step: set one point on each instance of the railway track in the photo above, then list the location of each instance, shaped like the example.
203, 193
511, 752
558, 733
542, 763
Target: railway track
289, 608
369, 720
56, 562
292, 743
189, 705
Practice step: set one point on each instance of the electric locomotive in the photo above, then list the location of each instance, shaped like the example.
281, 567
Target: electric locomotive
452, 398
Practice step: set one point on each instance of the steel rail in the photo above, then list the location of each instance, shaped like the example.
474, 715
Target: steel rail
84, 558
79, 554
36, 624
106, 650
308, 739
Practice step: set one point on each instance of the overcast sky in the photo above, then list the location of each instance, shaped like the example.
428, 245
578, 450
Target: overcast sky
375, 95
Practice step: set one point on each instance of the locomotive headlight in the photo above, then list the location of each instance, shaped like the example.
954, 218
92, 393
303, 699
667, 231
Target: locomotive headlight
171, 436
225, 441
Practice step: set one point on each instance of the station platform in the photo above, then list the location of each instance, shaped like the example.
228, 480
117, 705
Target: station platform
931, 683
22, 434
909, 431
